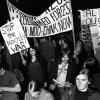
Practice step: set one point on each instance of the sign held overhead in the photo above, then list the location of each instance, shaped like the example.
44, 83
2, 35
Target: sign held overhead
14, 36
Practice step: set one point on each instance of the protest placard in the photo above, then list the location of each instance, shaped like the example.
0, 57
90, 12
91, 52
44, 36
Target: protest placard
56, 19
14, 36
89, 17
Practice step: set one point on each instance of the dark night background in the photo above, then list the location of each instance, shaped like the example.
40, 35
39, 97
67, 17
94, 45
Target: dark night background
37, 7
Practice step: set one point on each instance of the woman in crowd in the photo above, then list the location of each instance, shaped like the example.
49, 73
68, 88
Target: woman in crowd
60, 76
35, 71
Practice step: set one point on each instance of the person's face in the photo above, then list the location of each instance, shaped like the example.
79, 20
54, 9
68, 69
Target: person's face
82, 82
78, 46
61, 42
65, 58
65, 45
32, 52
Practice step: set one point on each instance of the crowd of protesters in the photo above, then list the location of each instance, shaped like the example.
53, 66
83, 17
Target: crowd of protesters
48, 70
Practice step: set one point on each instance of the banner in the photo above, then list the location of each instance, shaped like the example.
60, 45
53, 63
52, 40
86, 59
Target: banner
56, 19
14, 36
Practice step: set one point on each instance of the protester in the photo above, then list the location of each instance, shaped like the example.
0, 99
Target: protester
35, 71
9, 85
36, 92
81, 91
60, 77
79, 55
64, 45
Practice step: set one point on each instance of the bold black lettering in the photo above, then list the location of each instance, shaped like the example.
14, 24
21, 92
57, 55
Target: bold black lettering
13, 49
33, 31
47, 19
54, 16
13, 9
59, 1
25, 30
68, 7
44, 20
45, 32
88, 21
59, 12
93, 13
18, 47
3, 31
10, 35
68, 21
55, 27
39, 23
61, 25
22, 45
88, 13
11, 26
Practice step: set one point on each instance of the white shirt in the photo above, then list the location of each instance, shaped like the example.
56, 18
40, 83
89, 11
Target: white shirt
62, 73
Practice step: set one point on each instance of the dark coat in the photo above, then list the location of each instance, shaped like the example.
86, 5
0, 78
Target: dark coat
70, 92
71, 71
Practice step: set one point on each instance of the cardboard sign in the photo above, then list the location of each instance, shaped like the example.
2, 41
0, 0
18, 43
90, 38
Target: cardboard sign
14, 36
56, 19
89, 17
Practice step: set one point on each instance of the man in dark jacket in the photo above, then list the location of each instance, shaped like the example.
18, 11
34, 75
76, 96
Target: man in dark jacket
81, 91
